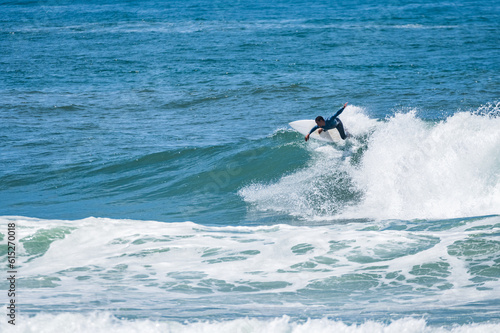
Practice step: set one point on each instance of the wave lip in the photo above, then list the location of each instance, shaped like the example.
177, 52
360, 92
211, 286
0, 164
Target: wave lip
413, 169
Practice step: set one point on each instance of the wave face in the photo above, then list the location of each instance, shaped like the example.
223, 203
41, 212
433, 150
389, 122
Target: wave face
402, 167
185, 271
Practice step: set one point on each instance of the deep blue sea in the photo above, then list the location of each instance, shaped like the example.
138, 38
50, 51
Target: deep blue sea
151, 183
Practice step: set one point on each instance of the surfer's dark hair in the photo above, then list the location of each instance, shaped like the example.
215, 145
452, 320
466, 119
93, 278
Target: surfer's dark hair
319, 118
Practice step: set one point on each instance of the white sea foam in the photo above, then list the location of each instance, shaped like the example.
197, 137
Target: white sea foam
406, 169
412, 169
184, 268
107, 323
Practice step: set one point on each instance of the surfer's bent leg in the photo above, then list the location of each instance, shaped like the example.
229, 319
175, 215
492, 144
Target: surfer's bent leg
340, 128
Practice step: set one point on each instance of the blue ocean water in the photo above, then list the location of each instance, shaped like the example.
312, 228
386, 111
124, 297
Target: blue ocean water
147, 163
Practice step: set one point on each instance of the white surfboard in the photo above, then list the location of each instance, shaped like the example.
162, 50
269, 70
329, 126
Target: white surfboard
304, 126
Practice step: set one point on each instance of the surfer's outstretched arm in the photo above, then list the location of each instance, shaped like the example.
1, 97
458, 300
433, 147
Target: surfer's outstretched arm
312, 130
339, 111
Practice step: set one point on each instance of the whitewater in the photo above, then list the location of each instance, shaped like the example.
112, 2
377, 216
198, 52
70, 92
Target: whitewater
337, 275
402, 167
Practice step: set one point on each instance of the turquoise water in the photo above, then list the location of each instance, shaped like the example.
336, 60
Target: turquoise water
147, 162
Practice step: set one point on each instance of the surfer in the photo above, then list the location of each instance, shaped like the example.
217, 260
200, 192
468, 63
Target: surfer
332, 122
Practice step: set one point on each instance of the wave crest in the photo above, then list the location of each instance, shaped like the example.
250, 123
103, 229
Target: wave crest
403, 167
